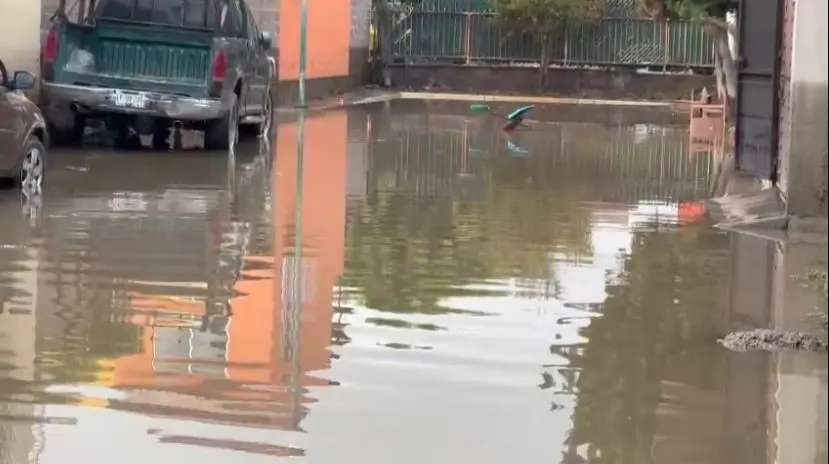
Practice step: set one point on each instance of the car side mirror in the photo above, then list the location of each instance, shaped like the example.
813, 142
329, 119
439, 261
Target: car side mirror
23, 80
265, 40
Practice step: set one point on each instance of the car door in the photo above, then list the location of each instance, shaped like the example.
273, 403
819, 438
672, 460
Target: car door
243, 61
8, 155
260, 67
235, 37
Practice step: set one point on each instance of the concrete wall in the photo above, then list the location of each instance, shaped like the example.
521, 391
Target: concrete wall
583, 83
803, 113
20, 28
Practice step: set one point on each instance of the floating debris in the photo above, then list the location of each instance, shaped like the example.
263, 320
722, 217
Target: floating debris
772, 340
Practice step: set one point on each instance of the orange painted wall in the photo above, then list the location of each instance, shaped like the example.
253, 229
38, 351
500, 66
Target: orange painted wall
329, 35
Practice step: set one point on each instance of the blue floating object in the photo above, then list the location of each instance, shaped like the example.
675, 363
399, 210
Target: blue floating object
519, 113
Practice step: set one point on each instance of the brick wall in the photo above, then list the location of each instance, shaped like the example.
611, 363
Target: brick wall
267, 16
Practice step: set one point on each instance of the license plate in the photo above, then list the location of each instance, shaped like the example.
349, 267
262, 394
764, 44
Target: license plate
130, 100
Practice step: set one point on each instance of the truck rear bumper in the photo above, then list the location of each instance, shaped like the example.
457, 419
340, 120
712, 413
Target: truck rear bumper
105, 100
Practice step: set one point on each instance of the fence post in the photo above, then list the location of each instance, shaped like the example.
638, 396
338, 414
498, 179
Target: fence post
666, 31
467, 38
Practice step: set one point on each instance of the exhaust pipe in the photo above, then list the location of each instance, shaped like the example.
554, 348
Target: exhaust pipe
74, 107
177, 125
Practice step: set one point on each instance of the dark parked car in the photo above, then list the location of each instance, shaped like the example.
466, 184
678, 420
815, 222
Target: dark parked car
146, 66
23, 136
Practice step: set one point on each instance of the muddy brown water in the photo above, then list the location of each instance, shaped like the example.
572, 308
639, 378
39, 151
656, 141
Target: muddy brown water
462, 296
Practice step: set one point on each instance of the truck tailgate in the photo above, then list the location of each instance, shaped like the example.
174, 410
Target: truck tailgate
152, 61
137, 58
136, 52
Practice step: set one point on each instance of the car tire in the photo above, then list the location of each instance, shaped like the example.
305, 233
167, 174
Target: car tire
261, 129
266, 126
223, 134
33, 166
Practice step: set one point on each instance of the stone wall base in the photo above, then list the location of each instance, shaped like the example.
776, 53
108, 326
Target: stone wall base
620, 84
287, 91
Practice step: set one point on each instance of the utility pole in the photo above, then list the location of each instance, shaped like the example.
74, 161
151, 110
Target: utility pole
303, 52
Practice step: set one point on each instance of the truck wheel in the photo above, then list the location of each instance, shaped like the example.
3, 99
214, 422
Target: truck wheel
267, 115
223, 134
263, 128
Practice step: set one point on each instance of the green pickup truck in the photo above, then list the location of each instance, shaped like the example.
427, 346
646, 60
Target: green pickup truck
146, 66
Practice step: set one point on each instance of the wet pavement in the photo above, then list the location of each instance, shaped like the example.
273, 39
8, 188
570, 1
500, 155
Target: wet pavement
462, 296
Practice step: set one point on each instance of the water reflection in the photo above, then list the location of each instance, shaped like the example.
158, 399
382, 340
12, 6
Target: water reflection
451, 302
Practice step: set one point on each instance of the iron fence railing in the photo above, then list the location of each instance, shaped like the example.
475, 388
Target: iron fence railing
477, 37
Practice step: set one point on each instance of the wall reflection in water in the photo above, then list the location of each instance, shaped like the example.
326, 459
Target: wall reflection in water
560, 302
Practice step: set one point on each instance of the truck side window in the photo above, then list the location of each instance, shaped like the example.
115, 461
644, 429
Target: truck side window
197, 13
253, 30
232, 22
193, 13
117, 9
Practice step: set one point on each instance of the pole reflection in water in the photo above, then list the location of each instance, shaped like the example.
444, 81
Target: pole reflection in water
293, 288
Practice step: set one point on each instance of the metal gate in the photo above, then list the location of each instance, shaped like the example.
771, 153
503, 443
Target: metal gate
757, 100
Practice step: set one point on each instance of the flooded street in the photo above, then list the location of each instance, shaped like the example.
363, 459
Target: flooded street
429, 290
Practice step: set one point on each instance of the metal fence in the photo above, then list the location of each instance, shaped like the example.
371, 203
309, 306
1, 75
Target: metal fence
477, 36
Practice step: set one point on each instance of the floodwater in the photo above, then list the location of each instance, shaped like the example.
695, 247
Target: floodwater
460, 297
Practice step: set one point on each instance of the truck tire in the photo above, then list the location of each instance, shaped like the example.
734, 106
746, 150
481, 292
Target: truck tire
263, 128
266, 126
223, 134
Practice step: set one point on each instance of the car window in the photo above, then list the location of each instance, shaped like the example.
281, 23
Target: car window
253, 30
192, 13
232, 19
74, 13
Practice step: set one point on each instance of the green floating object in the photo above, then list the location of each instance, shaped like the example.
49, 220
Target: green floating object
479, 107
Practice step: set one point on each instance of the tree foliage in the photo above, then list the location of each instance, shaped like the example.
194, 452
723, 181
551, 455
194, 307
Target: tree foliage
543, 17
712, 14
689, 9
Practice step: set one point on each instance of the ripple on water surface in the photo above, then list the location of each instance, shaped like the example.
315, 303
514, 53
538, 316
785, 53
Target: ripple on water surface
457, 300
